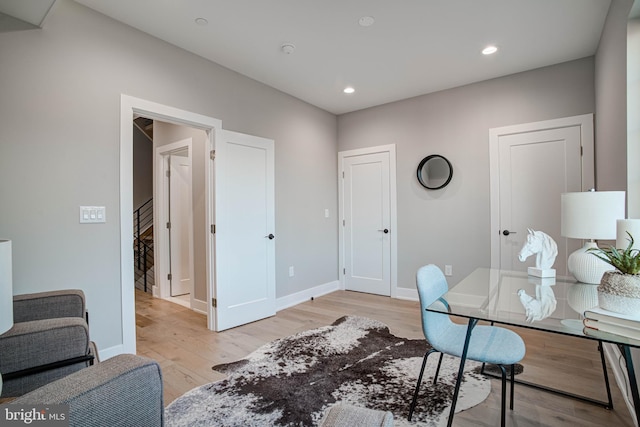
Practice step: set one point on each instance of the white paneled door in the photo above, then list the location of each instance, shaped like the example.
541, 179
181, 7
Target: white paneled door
245, 229
181, 220
367, 231
532, 165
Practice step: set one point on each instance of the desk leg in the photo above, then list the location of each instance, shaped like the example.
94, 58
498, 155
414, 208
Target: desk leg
633, 384
463, 358
606, 375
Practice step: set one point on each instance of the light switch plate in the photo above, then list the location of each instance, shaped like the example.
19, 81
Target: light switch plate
93, 214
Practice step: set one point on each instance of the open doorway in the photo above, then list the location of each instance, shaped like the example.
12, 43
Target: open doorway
169, 176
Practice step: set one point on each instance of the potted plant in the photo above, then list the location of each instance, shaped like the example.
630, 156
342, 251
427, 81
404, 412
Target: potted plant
619, 290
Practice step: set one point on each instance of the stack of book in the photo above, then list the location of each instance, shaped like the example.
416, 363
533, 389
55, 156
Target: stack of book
603, 320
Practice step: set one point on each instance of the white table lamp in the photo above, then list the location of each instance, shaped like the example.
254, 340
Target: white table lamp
6, 291
590, 215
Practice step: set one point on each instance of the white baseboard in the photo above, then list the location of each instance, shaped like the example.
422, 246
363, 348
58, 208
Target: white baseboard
110, 352
199, 306
407, 294
306, 295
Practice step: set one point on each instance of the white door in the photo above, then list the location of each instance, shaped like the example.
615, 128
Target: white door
180, 218
532, 165
367, 223
245, 229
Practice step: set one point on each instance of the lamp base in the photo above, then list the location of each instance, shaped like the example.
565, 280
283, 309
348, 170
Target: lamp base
585, 266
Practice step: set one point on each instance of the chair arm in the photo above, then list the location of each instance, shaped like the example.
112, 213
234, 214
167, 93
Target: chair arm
124, 390
41, 342
48, 305
445, 303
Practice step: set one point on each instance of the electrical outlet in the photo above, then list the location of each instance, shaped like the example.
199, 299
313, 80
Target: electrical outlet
448, 270
291, 272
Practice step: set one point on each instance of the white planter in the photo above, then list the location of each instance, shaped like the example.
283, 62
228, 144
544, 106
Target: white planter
619, 292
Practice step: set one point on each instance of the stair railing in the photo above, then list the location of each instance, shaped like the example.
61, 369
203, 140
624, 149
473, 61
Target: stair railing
143, 243
142, 222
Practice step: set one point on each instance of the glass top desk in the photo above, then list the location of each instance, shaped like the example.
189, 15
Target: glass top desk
495, 296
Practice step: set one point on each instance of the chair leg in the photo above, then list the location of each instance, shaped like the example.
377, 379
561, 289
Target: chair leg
435, 377
513, 382
504, 395
415, 393
472, 323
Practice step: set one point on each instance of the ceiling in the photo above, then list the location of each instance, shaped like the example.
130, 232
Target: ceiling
414, 47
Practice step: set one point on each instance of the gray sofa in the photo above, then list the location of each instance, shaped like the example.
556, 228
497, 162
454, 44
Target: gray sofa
125, 390
49, 340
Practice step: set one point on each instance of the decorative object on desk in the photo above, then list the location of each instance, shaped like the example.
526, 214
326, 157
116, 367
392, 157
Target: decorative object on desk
541, 306
582, 297
434, 172
619, 290
6, 290
624, 228
604, 320
545, 249
293, 380
590, 215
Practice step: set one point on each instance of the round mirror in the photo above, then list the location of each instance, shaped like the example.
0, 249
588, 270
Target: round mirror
435, 172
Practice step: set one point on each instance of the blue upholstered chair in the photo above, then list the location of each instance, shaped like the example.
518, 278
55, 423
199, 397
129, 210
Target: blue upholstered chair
487, 344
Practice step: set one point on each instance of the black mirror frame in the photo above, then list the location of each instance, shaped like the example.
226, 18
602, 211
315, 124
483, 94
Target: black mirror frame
424, 161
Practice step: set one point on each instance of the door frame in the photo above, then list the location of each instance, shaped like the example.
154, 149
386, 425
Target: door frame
584, 121
160, 216
130, 107
391, 150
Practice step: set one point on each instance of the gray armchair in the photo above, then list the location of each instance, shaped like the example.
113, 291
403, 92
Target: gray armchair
49, 340
125, 390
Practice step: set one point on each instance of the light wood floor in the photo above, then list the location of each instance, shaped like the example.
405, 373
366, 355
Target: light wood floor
178, 339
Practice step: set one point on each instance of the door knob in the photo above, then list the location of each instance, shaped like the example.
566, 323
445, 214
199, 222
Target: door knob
385, 231
270, 236
507, 232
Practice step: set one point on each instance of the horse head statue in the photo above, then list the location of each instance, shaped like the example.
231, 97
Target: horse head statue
543, 246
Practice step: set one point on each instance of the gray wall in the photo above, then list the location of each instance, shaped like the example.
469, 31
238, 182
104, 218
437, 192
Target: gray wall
611, 100
59, 149
451, 226
142, 168
167, 133
633, 119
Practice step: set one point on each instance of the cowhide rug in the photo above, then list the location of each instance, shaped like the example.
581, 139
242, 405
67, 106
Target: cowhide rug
292, 381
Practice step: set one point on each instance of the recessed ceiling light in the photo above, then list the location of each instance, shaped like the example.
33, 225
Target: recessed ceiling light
489, 50
349, 89
288, 48
366, 21
201, 21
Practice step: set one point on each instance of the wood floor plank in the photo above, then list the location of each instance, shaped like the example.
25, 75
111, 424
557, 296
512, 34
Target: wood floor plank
178, 338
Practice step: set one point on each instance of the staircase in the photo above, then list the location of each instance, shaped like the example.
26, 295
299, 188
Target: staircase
143, 247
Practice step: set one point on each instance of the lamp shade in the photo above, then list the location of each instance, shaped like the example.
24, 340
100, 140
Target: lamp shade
6, 287
631, 226
591, 214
